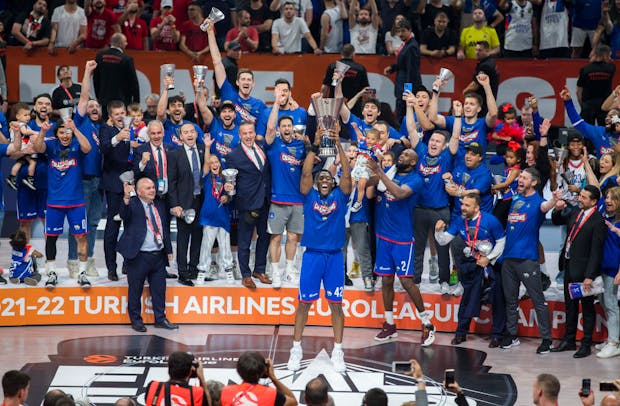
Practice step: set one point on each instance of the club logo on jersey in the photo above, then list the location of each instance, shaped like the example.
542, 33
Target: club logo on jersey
469, 137
429, 170
289, 159
323, 209
244, 112
222, 149
63, 165
517, 217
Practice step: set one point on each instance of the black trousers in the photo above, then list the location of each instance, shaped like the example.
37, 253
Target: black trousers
572, 316
145, 266
189, 238
112, 227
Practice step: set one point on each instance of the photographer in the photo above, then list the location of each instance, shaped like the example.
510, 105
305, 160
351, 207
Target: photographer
252, 367
181, 367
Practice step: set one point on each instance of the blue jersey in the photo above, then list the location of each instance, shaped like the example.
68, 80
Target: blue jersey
40, 174
247, 109
324, 226
364, 126
91, 162
212, 212
426, 134
597, 134
433, 194
299, 116
476, 132
394, 218
512, 188
523, 226
21, 263
611, 250
224, 139
489, 229
64, 176
586, 14
363, 214
172, 133
4, 125
479, 178
286, 160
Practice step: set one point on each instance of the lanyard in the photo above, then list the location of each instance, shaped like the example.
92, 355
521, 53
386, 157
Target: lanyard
68, 93
163, 165
573, 232
197, 116
471, 243
215, 191
157, 220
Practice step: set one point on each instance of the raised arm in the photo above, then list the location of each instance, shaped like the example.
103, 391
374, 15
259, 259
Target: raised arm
39, 142
206, 166
272, 122
85, 146
306, 170
457, 110
346, 185
353, 8
162, 104
433, 108
376, 18
491, 116
216, 57
85, 95
202, 96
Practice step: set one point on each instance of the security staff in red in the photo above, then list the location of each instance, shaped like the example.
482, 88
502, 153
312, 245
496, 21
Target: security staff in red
181, 367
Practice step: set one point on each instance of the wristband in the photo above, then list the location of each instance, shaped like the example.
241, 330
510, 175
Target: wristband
435, 91
315, 149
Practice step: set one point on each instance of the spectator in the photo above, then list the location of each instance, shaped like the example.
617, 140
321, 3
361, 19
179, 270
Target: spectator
331, 26
179, 11
439, 41
375, 397
181, 367
364, 26
287, 32
194, 42
135, 29
546, 390
164, 33
244, 34
388, 11
125, 402
303, 9
261, 18
521, 37
68, 93
553, 30
215, 391
33, 28
585, 18
609, 26
15, 387
355, 79
486, 64
472, 35
252, 367
52, 397
392, 40
68, 27
151, 107
102, 23
434, 7
315, 393
594, 85
118, 7
491, 14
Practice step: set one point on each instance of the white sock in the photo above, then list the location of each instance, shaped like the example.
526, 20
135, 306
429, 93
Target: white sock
434, 258
297, 345
425, 317
82, 267
337, 346
51, 267
290, 263
389, 317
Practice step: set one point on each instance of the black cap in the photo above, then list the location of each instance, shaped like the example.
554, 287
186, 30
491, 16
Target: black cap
227, 104
574, 135
234, 45
475, 148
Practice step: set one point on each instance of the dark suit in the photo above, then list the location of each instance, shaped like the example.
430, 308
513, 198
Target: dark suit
115, 162
115, 78
586, 251
150, 171
252, 201
407, 68
143, 265
181, 193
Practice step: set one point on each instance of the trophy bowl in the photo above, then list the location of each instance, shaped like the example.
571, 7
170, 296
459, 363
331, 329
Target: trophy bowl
216, 15
65, 113
230, 176
200, 74
299, 129
168, 70
189, 215
127, 177
127, 122
445, 75
484, 247
341, 68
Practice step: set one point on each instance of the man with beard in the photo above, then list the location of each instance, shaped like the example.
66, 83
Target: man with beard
171, 112
364, 27
248, 108
439, 40
86, 119
600, 136
433, 204
135, 29
68, 27
223, 130
285, 154
32, 29
115, 148
285, 109
68, 93
102, 23
325, 207
193, 41
478, 31
394, 222
245, 35
66, 196
288, 31
479, 267
520, 264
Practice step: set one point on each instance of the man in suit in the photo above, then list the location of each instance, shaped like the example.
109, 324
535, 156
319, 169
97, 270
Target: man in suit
185, 193
115, 76
145, 245
252, 201
115, 147
581, 259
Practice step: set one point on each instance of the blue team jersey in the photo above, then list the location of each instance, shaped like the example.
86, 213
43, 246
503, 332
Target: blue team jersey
364, 126
489, 229
394, 218
476, 132
64, 175
523, 226
40, 175
479, 178
91, 162
224, 139
595, 133
363, 214
286, 161
433, 194
299, 116
324, 225
247, 109
172, 133
212, 212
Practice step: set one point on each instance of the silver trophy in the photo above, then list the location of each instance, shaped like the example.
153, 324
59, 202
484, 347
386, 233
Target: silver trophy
127, 122
568, 176
200, 74
189, 215
445, 75
299, 130
168, 70
341, 68
65, 114
559, 153
216, 15
327, 113
484, 247
497, 179
127, 177
230, 176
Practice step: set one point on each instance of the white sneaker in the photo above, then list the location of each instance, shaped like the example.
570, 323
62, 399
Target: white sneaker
338, 360
74, 268
457, 290
433, 273
52, 279
214, 271
230, 276
600, 346
83, 280
444, 288
91, 269
610, 350
117, 217
276, 278
291, 276
294, 361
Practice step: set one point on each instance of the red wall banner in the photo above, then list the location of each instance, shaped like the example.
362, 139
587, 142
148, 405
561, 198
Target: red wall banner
34, 73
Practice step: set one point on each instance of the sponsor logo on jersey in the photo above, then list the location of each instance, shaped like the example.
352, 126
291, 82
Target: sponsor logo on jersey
469, 137
517, 217
323, 209
289, 159
64, 164
429, 170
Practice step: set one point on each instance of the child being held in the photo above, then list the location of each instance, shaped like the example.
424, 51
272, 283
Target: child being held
22, 116
368, 148
23, 267
506, 130
507, 187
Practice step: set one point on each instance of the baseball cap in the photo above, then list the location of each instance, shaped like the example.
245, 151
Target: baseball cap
234, 45
574, 135
227, 104
475, 148
166, 3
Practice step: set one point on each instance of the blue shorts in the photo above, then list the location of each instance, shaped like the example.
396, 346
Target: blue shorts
317, 267
76, 217
394, 259
31, 203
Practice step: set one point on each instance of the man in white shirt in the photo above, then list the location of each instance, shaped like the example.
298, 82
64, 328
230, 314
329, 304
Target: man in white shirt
68, 27
331, 26
287, 31
364, 27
